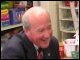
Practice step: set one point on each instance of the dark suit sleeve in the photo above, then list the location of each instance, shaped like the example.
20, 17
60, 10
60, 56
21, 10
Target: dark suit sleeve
12, 50
55, 47
10, 53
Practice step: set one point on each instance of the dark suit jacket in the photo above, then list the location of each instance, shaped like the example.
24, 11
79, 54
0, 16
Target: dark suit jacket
19, 47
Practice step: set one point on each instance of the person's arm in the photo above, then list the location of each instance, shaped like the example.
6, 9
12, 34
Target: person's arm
55, 44
12, 49
10, 53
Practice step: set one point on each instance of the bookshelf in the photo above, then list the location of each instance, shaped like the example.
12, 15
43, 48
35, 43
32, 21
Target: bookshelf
66, 22
9, 21
11, 15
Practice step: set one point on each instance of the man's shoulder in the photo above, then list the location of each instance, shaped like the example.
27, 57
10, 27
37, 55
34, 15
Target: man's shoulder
17, 37
54, 39
20, 40
12, 48
13, 41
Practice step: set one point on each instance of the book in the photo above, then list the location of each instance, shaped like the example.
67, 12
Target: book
5, 21
4, 14
4, 5
15, 15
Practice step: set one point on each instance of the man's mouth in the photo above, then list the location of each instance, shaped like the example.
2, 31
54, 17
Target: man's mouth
45, 39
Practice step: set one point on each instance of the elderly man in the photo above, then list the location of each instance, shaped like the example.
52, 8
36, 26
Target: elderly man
36, 34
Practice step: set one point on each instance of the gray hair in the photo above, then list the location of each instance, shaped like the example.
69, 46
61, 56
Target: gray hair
25, 19
25, 22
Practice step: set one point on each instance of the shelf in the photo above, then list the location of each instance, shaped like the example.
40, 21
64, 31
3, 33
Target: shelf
10, 27
61, 7
67, 58
68, 19
66, 31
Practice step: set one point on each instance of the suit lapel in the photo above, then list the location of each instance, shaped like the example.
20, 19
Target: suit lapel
30, 51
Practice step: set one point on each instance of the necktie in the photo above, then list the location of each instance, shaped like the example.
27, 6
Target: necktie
40, 54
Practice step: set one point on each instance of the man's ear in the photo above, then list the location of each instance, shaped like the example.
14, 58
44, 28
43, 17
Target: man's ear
27, 32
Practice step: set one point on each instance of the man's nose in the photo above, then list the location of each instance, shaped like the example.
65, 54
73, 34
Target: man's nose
47, 34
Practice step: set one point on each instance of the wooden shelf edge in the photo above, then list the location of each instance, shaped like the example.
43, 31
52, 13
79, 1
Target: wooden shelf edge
10, 27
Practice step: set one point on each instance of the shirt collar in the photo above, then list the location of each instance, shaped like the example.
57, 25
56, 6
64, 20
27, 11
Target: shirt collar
36, 47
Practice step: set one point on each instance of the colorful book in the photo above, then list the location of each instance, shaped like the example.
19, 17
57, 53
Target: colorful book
15, 15
5, 18
4, 14
5, 23
4, 5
